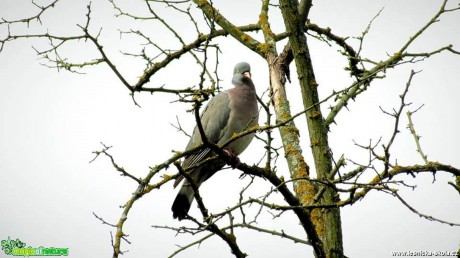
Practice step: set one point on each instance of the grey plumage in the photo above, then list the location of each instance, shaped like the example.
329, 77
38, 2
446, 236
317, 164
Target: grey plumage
227, 113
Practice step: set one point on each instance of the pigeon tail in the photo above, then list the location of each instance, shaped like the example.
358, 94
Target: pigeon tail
183, 201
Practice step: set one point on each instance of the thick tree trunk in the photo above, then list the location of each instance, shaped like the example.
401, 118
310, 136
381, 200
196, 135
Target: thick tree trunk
327, 221
293, 152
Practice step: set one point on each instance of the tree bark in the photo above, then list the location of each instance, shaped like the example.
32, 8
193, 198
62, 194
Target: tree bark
291, 144
326, 221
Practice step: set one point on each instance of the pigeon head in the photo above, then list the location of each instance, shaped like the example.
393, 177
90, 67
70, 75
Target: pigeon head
241, 73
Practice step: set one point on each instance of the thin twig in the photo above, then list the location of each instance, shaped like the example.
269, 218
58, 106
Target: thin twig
428, 217
416, 136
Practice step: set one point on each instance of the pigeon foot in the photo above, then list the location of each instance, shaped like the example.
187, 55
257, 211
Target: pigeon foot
234, 160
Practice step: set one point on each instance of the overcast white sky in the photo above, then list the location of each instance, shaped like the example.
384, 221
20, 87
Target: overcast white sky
50, 122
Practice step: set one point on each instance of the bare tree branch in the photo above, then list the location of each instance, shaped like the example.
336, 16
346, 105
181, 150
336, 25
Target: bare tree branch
416, 136
431, 218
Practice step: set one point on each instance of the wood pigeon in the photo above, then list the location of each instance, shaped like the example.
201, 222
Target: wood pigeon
229, 112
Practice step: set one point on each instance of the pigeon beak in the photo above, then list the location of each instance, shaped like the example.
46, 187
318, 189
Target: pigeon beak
247, 74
